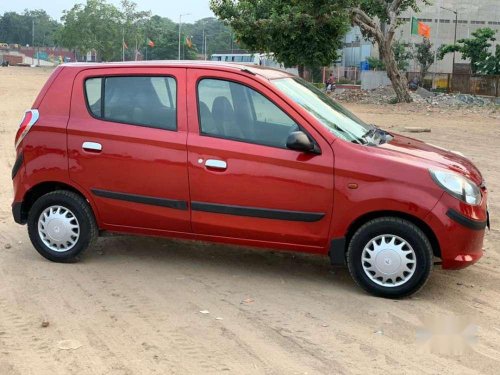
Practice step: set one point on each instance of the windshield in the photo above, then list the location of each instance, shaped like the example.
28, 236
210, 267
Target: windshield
332, 115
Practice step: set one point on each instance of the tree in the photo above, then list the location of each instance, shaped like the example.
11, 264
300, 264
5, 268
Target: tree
17, 28
424, 56
378, 20
164, 33
476, 49
219, 37
95, 26
301, 33
402, 55
491, 64
133, 24
375, 64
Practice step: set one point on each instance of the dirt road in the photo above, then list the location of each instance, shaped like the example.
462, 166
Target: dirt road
132, 305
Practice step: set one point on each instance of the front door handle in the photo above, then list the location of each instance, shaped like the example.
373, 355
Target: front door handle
216, 164
92, 146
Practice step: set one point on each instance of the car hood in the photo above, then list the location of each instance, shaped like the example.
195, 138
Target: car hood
433, 156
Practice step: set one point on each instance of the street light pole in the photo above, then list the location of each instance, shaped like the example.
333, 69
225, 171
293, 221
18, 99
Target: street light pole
180, 26
455, 37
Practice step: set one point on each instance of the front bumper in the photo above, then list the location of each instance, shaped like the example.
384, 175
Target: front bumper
460, 230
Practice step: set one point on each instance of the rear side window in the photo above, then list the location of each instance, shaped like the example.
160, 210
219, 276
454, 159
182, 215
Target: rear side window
145, 101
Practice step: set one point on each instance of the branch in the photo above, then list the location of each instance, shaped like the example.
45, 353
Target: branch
392, 10
367, 24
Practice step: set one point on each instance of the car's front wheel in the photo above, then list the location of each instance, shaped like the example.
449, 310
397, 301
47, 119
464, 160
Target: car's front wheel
61, 225
390, 257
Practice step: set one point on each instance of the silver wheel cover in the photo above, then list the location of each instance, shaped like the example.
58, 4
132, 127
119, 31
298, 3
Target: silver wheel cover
389, 260
58, 228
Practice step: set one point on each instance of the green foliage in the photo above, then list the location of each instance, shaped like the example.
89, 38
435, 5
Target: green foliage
219, 36
100, 26
379, 8
402, 55
491, 64
17, 28
303, 33
477, 50
424, 56
96, 26
165, 33
375, 64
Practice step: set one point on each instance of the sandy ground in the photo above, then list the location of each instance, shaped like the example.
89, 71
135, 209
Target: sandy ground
132, 306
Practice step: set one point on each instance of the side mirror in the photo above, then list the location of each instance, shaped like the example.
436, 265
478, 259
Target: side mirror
299, 141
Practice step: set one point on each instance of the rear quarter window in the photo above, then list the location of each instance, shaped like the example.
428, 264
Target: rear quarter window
137, 100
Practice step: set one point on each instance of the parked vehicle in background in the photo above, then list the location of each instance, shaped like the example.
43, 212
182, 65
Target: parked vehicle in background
243, 155
4, 46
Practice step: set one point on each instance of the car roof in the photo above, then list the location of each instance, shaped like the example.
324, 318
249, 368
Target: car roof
264, 71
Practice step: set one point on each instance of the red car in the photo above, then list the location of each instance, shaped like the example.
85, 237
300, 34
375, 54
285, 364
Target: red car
241, 155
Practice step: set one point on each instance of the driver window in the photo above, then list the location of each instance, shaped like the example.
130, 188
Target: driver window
234, 111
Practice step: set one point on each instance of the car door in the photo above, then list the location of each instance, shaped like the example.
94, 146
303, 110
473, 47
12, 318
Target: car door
127, 146
244, 183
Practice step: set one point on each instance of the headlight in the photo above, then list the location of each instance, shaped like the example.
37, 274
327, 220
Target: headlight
457, 185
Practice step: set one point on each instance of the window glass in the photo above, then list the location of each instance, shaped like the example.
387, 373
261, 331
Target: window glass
93, 90
267, 112
329, 113
145, 101
234, 111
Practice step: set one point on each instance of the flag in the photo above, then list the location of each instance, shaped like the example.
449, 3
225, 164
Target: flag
151, 43
125, 45
420, 28
424, 30
189, 42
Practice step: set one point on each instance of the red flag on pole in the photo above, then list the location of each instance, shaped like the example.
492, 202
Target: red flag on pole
151, 43
424, 30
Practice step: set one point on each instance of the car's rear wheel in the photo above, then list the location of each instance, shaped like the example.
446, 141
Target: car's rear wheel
61, 226
390, 257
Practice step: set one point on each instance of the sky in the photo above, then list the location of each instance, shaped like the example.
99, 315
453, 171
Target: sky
169, 8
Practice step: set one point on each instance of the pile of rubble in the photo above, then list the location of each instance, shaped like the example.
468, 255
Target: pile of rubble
386, 95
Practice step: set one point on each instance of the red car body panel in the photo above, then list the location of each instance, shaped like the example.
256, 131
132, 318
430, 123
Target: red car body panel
336, 189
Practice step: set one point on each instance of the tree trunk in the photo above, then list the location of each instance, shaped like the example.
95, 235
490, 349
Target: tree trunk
398, 80
300, 68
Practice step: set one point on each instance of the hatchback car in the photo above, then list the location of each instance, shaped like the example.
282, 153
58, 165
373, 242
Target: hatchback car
240, 155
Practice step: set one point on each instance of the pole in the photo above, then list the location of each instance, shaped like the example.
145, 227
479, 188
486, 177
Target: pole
455, 40
180, 25
205, 42
123, 44
437, 41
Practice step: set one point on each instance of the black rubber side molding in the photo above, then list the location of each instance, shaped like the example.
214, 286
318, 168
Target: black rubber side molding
465, 221
17, 164
264, 213
153, 201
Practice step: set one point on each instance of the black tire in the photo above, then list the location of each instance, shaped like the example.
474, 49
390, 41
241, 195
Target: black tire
407, 231
81, 210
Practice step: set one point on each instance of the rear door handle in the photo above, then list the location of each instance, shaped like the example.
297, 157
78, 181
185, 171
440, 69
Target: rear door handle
216, 164
92, 146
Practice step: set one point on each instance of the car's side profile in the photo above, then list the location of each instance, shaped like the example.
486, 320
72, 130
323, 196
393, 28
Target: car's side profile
240, 155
